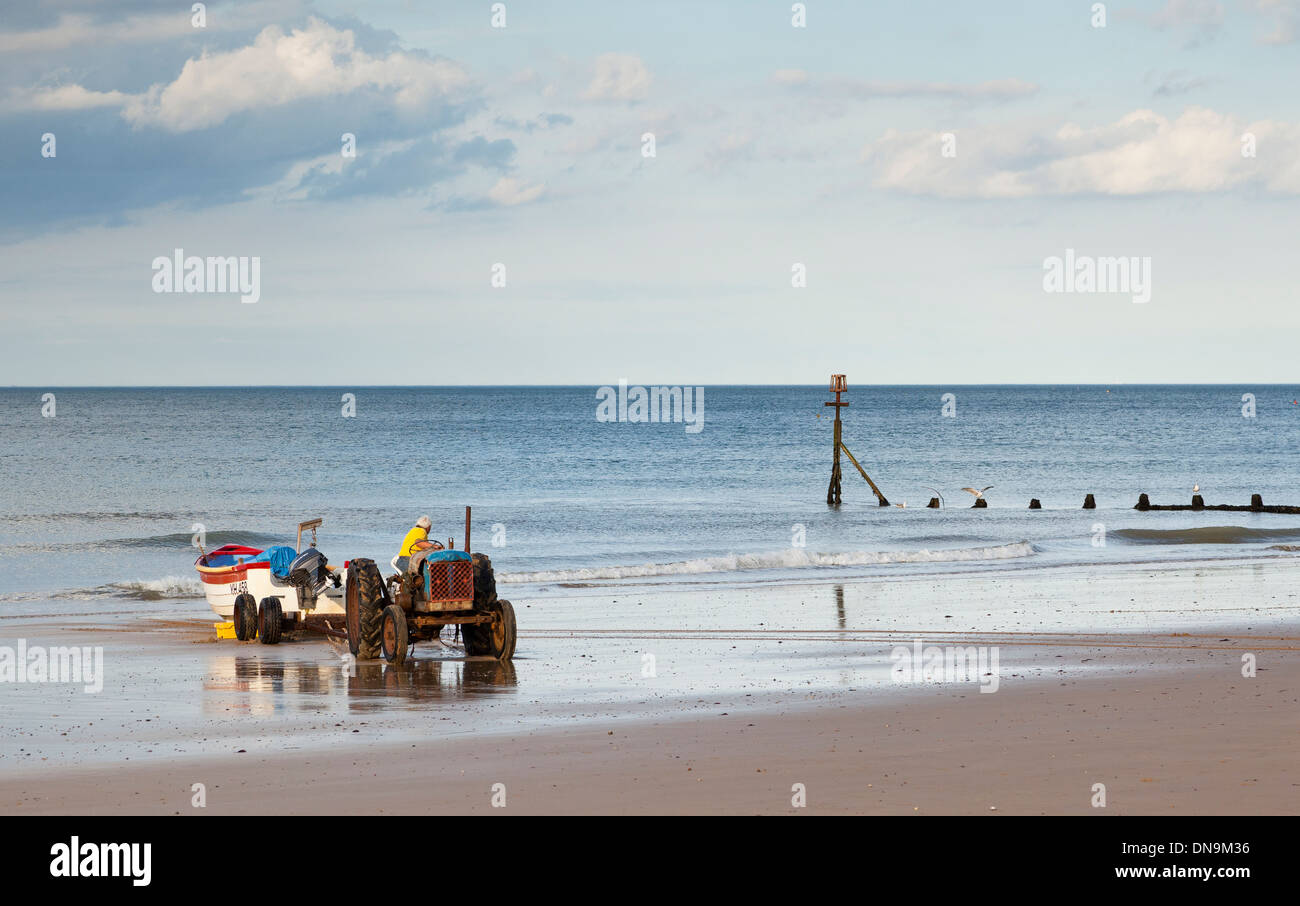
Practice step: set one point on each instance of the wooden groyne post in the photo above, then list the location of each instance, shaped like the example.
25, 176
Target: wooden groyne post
839, 385
1198, 503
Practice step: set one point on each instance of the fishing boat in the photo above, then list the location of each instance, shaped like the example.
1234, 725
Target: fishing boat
299, 579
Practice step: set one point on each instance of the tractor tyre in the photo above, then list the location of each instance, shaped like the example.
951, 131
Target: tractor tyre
396, 638
471, 637
501, 632
485, 582
496, 639
366, 598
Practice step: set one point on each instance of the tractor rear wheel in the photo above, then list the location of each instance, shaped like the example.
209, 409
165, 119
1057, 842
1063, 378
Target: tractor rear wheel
485, 582
245, 617
396, 637
270, 620
496, 638
471, 635
364, 605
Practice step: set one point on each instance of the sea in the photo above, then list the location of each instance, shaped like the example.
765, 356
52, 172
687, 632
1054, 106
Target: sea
106, 492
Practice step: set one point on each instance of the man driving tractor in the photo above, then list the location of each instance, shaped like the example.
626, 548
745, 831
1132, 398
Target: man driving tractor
416, 539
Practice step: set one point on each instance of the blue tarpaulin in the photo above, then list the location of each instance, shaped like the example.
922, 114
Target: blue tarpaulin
279, 556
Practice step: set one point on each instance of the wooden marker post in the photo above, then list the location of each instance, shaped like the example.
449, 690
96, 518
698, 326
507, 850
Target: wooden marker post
840, 384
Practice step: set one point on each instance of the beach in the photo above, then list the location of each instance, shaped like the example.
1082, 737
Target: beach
703, 698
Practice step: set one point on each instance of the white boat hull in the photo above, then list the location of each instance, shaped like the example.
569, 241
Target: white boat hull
221, 586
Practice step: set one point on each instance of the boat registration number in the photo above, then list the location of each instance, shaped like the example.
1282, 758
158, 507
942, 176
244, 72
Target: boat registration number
238, 588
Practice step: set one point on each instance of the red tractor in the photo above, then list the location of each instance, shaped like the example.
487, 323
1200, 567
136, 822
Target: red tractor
433, 588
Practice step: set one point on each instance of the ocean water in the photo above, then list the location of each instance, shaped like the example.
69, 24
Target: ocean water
99, 504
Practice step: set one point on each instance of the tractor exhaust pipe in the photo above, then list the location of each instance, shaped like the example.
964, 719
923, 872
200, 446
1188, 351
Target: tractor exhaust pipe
467, 530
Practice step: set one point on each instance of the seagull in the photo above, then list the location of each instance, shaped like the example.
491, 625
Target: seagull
935, 492
901, 506
1196, 489
979, 494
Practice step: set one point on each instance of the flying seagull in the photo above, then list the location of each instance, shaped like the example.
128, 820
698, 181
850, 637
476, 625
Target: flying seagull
935, 492
979, 494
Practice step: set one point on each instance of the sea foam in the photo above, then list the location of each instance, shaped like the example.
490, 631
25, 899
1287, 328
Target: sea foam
793, 558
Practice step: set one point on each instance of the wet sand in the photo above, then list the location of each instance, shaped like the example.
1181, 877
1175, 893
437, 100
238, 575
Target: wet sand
752, 691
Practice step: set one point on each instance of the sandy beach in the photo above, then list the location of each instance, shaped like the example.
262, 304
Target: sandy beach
702, 699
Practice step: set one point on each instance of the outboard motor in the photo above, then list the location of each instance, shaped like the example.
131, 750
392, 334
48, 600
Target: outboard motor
308, 573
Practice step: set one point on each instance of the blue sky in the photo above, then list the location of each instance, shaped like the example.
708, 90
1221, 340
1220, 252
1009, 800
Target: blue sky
774, 146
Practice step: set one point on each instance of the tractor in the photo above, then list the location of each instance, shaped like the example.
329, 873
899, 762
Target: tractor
435, 587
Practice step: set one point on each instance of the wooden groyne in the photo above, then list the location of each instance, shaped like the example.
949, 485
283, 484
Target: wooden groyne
1144, 504
1198, 504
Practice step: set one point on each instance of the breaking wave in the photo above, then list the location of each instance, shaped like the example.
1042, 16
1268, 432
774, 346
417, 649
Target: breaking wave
174, 541
168, 588
1208, 534
784, 559
184, 539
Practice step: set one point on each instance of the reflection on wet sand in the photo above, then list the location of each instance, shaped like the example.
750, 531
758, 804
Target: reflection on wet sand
254, 684
432, 679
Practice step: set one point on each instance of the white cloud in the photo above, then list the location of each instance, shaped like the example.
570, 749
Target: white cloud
1284, 20
1141, 153
279, 68
509, 192
1188, 12
619, 77
63, 97
865, 89
732, 148
790, 77
79, 30
74, 31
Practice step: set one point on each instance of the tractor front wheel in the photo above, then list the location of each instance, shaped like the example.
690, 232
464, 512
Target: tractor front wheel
396, 637
496, 638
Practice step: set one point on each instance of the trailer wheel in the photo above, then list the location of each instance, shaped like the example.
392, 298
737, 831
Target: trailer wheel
245, 617
496, 638
270, 620
485, 581
396, 637
364, 603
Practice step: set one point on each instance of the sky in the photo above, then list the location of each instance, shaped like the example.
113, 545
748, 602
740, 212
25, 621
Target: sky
867, 188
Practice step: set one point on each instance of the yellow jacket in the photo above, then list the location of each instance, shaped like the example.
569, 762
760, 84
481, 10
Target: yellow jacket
414, 535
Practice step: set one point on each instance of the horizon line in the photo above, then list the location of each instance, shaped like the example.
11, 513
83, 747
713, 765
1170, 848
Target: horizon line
47, 387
